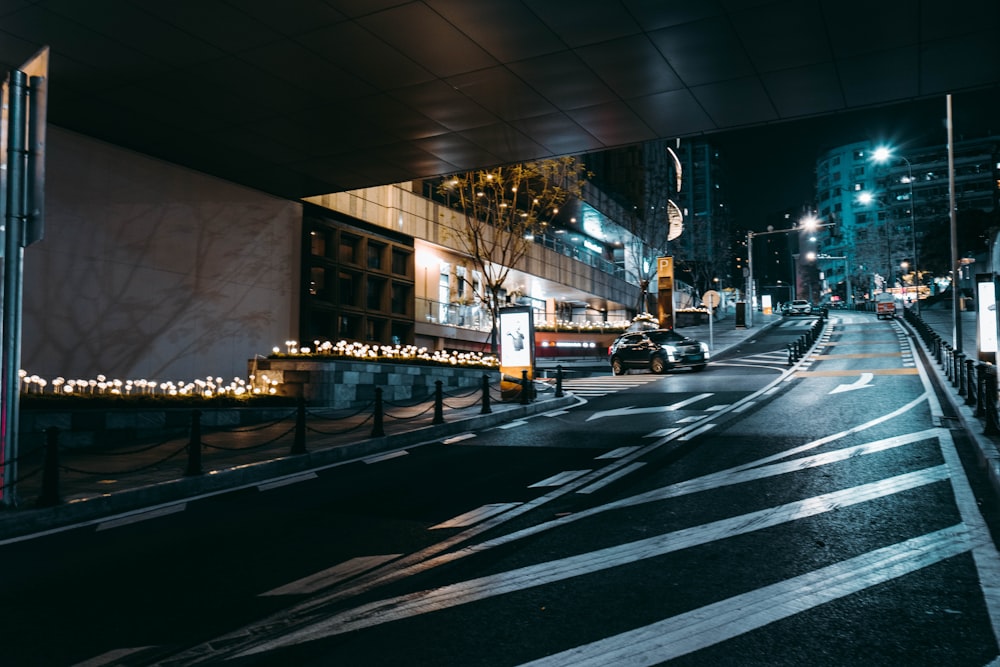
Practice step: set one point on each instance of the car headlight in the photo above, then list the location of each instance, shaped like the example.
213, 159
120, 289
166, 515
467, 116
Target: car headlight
671, 352
704, 349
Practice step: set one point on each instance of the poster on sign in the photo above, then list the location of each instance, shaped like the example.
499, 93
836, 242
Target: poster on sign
517, 348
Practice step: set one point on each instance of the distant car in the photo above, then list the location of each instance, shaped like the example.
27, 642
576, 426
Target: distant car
799, 307
658, 350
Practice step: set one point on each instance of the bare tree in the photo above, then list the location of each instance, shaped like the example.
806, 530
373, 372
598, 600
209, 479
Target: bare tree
504, 207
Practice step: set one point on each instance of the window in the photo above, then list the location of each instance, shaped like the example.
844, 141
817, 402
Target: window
317, 282
400, 262
348, 294
319, 241
349, 248
400, 299
375, 253
375, 287
349, 326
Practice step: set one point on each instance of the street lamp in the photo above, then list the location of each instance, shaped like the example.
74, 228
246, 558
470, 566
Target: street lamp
884, 154
809, 223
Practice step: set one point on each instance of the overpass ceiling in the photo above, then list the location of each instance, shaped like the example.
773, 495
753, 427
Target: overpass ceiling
305, 97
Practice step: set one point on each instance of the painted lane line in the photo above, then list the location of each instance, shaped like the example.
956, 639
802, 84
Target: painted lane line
715, 623
385, 457
458, 438
745, 406
559, 479
513, 424
475, 516
617, 453
286, 481
113, 657
695, 433
556, 413
660, 433
716, 408
331, 576
604, 481
985, 553
689, 419
532, 576
142, 516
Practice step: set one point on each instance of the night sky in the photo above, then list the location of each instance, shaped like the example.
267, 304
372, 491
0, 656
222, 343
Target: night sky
771, 167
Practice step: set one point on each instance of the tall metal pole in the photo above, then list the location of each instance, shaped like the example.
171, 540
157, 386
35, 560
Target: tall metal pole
749, 279
913, 236
955, 268
13, 265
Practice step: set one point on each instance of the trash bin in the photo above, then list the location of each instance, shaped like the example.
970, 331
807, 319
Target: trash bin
741, 314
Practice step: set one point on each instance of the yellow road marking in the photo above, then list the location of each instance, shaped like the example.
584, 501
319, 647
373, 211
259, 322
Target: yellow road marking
874, 371
870, 355
887, 341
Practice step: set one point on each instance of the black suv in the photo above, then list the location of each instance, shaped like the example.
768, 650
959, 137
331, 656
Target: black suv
659, 350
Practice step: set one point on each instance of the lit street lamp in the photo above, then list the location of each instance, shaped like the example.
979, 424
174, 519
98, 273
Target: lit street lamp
883, 154
809, 223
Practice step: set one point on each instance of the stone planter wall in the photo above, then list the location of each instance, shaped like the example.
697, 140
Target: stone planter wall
351, 384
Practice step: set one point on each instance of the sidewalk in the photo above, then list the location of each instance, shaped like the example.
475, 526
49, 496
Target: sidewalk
93, 485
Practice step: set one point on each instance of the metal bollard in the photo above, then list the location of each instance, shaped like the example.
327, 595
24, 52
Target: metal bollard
194, 446
524, 387
956, 375
299, 443
377, 430
486, 409
981, 390
559, 389
438, 403
791, 355
50, 472
970, 381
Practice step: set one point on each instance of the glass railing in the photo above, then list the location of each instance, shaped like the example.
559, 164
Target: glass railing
476, 317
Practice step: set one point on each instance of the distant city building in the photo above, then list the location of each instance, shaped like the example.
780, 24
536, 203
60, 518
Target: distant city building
886, 211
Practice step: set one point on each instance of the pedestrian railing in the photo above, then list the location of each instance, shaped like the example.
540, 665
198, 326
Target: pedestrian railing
290, 434
801, 346
974, 381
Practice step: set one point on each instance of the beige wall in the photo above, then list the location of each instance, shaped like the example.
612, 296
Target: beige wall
148, 270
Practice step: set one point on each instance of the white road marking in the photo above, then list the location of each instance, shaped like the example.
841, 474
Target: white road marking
695, 433
385, 457
632, 410
458, 438
697, 629
481, 588
286, 481
617, 453
142, 516
475, 516
661, 433
559, 479
331, 576
513, 424
111, 657
745, 406
604, 481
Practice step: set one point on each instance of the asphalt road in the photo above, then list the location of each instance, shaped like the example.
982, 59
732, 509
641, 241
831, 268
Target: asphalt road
752, 514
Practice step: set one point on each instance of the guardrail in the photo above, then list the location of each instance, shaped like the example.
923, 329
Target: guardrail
288, 435
973, 380
804, 343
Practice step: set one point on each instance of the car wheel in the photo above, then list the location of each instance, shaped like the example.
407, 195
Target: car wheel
657, 365
617, 367
699, 368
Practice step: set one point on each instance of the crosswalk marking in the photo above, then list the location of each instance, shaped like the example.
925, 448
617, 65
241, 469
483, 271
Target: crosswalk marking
475, 516
602, 385
618, 453
559, 479
331, 576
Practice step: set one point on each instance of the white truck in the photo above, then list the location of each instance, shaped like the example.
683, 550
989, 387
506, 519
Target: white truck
885, 305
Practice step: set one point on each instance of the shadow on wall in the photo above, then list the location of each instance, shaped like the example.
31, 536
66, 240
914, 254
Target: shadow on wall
149, 270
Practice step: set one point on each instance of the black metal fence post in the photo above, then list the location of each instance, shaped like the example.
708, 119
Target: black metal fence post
970, 381
299, 443
559, 376
194, 445
377, 430
981, 390
486, 409
438, 403
524, 387
50, 472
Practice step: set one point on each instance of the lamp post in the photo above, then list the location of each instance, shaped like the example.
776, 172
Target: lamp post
884, 154
809, 223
